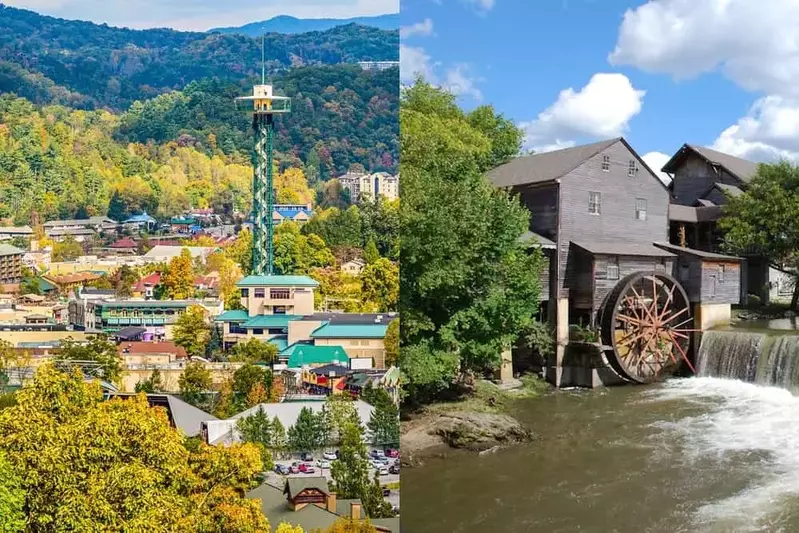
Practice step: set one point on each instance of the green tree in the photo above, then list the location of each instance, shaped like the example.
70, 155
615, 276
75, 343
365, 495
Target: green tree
350, 471
129, 472
307, 433
380, 285
763, 220
391, 342
339, 411
68, 249
468, 287
279, 436
178, 280
258, 429
254, 351
370, 253
194, 382
151, 384
124, 280
374, 504
384, 425
98, 350
248, 376
191, 331
12, 498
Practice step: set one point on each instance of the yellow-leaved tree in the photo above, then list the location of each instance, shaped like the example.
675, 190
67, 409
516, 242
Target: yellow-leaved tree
178, 280
292, 187
88, 464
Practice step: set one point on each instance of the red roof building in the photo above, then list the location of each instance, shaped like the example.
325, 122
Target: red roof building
126, 243
146, 284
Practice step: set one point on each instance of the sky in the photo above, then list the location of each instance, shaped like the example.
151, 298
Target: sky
661, 73
201, 15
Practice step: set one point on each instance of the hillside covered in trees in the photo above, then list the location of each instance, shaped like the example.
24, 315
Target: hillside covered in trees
86, 65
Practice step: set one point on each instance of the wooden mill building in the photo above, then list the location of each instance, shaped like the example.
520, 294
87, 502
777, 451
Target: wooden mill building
601, 216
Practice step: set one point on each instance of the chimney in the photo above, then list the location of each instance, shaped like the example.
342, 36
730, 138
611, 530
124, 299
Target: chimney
331, 502
355, 513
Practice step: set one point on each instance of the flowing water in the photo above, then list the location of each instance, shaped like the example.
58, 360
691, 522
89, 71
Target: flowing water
711, 454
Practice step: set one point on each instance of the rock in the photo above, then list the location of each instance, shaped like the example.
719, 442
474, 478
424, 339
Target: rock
479, 431
490, 450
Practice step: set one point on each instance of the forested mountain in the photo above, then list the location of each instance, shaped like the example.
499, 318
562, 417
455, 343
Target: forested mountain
86, 65
342, 113
287, 24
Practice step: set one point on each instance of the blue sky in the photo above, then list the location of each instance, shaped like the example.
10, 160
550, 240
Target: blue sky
720, 73
200, 15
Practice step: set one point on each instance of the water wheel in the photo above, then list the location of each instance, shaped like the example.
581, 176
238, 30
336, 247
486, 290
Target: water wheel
646, 322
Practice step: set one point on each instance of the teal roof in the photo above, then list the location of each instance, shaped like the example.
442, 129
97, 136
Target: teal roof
277, 281
309, 354
46, 286
288, 350
350, 331
270, 321
281, 341
235, 315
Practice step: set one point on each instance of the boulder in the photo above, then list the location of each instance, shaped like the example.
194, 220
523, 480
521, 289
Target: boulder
479, 431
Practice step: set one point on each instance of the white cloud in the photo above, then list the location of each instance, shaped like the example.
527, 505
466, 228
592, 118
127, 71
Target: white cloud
755, 43
414, 61
201, 15
769, 132
656, 161
420, 28
601, 109
482, 5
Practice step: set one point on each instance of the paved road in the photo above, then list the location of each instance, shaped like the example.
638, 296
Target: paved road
274, 476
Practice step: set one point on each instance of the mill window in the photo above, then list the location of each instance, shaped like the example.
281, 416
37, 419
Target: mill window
632, 168
606, 163
613, 268
640, 209
594, 201
721, 274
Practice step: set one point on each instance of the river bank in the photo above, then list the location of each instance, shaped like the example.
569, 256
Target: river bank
479, 421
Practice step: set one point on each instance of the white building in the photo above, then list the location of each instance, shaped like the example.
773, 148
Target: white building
370, 186
164, 254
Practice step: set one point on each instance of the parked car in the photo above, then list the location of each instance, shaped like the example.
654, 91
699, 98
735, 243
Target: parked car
391, 452
282, 469
394, 469
382, 471
330, 456
377, 454
294, 468
386, 492
321, 463
305, 468
307, 457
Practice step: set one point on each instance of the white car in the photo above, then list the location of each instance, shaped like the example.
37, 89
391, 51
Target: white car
321, 463
382, 471
330, 456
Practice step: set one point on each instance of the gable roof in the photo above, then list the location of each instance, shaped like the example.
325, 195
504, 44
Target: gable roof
310, 354
295, 485
741, 169
7, 249
696, 253
277, 281
125, 242
685, 213
546, 166
622, 248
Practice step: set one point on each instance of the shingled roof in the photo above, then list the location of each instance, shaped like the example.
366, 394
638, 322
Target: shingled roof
547, 166
740, 168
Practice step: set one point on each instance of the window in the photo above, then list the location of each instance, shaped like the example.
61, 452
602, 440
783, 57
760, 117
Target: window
235, 327
606, 163
279, 310
632, 168
245, 293
259, 293
280, 294
257, 331
613, 268
640, 209
721, 274
594, 200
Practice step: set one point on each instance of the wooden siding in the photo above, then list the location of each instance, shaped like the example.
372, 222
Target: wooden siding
726, 291
542, 202
616, 221
579, 266
717, 197
688, 271
546, 267
627, 265
694, 177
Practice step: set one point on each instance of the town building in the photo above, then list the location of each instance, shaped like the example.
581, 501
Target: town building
70, 282
110, 316
10, 232
124, 245
10, 264
353, 267
185, 225
298, 213
164, 254
141, 222
308, 502
378, 65
370, 186
79, 229
145, 287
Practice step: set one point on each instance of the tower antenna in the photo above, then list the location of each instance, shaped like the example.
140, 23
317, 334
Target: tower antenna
263, 59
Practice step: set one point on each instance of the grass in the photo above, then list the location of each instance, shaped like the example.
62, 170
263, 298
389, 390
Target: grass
394, 485
487, 397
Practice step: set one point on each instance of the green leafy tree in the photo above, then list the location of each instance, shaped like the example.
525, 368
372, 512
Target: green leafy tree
151, 384
191, 331
194, 382
370, 253
279, 436
763, 220
12, 498
308, 433
374, 504
68, 249
249, 376
468, 287
350, 471
384, 425
258, 429
98, 350
391, 342
380, 285
339, 411
254, 351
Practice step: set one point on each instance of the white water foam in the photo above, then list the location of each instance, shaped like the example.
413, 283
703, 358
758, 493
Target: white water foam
738, 418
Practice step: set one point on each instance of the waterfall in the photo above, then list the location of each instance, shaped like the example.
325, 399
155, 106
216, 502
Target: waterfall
751, 357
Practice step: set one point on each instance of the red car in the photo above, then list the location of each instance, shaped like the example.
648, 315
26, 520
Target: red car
392, 453
306, 468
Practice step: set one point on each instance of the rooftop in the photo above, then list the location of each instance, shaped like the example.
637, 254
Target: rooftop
534, 238
740, 168
7, 249
696, 253
234, 315
184, 416
684, 213
309, 354
352, 318
172, 304
270, 321
621, 248
350, 331
155, 348
277, 281
91, 221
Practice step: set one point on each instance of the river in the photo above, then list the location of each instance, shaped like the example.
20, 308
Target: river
702, 454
